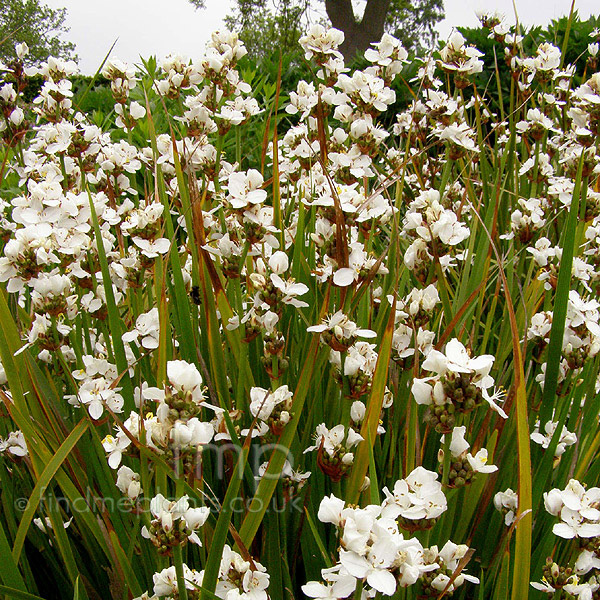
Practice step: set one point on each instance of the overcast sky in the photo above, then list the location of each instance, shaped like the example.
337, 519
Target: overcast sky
147, 27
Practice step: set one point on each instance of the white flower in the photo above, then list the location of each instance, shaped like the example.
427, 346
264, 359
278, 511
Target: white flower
340, 588
457, 360
388, 53
479, 462
185, 377
147, 327
449, 557
457, 57
165, 582
566, 437
427, 219
245, 189
586, 561
128, 482
374, 567
422, 391
342, 328
21, 50
137, 111
334, 439
97, 393
547, 58
419, 496
458, 444
289, 290
46, 524
279, 262
583, 591
330, 510
263, 402
152, 248
460, 135
167, 513
573, 524
14, 444
115, 447
358, 411
507, 502
191, 433
16, 116
542, 586
459, 447
577, 509
321, 41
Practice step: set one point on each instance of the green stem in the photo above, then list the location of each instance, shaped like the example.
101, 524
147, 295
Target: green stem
358, 590
443, 289
178, 560
411, 444
446, 467
220, 140
445, 174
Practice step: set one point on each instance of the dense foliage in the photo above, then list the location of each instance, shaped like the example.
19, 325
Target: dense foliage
41, 27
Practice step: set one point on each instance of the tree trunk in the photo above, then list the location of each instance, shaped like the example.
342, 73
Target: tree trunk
358, 36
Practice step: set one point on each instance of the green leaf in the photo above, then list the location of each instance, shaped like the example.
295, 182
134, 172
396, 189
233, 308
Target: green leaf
561, 301
318, 540
12, 593
268, 483
371, 420
125, 565
9, 572
79, 592
114, 318
42, 483
219, 538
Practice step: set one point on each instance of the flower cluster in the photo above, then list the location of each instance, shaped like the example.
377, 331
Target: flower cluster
507, 503
434, 229
459, 385
416, 501
565, 439
334, 449
374, 550
239, 579
463, 465
175, 430
273, 409
174, 523
577, 509
581, 336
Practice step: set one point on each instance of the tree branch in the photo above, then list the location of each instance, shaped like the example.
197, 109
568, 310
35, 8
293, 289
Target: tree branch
341, 14
373, 20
